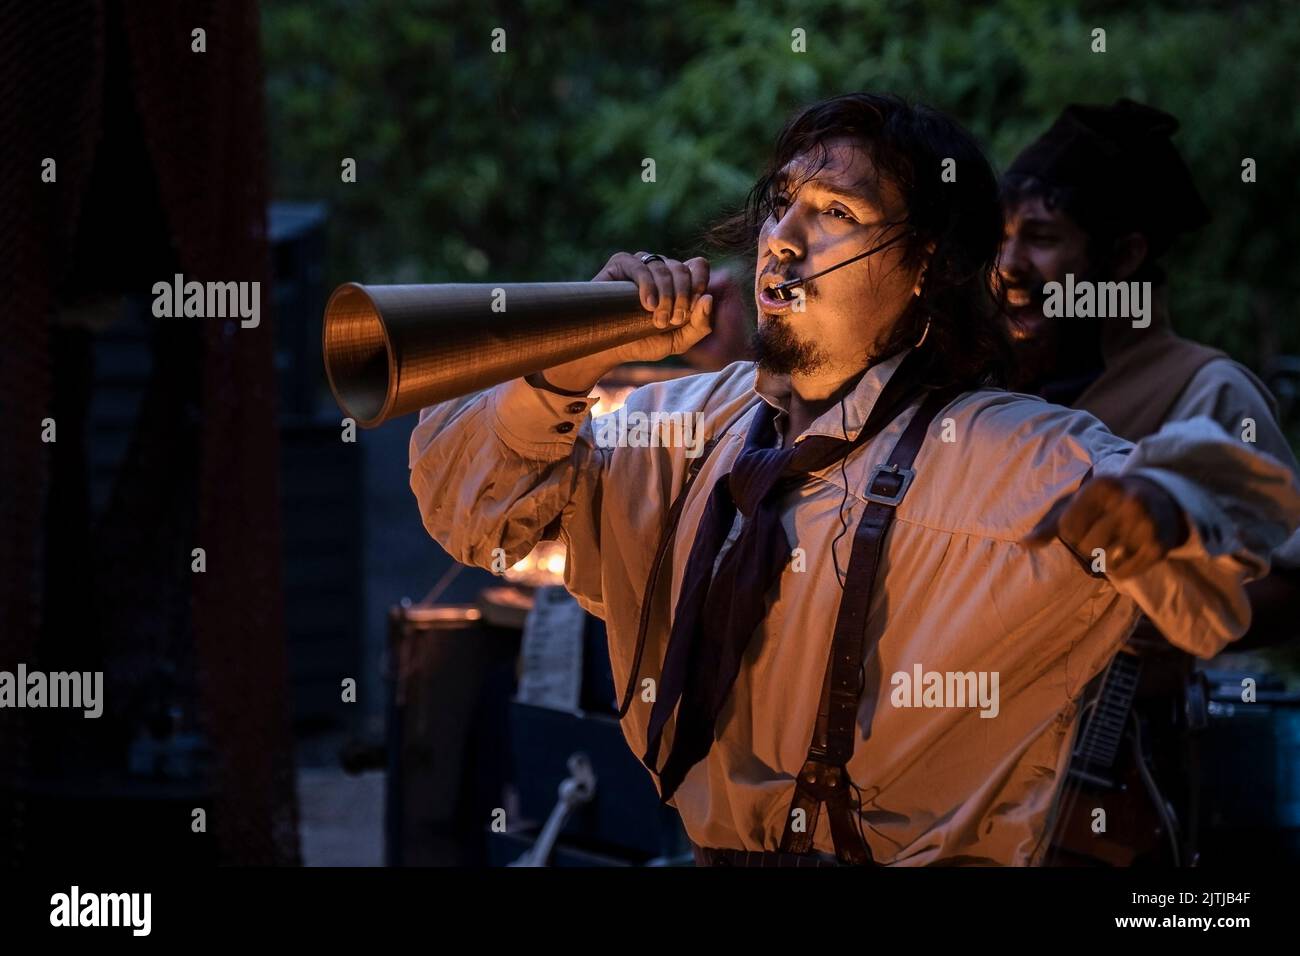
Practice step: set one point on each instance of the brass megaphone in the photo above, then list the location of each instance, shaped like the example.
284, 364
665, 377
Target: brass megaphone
393, 349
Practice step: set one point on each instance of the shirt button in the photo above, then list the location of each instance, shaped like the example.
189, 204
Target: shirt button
577, 407
564, 427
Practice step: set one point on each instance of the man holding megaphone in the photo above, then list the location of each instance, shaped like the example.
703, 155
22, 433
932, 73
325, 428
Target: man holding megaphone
856, 629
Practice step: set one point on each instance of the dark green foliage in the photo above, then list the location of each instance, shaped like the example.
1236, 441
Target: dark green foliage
527, 164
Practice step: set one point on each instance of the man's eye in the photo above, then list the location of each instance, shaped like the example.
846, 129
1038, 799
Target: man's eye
782, 201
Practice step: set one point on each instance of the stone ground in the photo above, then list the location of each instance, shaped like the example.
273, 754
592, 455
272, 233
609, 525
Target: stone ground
341, 816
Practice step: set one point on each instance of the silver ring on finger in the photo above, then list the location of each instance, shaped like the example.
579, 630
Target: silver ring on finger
652, 257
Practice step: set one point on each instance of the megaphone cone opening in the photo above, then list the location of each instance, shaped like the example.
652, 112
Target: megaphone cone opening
357, 354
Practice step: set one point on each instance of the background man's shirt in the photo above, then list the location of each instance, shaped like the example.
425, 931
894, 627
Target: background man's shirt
1226, 392
957, 590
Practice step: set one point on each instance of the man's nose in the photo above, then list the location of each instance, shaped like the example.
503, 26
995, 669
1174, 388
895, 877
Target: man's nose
1012, 263
783, 241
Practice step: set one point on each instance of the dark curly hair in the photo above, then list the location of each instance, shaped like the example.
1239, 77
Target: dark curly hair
1103, 223
967, 342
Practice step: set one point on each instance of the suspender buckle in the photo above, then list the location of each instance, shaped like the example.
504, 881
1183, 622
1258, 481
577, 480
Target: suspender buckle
886, 476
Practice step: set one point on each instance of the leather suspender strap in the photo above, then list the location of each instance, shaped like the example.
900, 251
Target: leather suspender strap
665, 542
824, 776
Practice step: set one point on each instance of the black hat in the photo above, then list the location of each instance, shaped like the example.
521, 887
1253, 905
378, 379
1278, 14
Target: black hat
1119, 163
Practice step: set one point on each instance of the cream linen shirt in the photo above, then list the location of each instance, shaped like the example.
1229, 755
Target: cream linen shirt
957, 590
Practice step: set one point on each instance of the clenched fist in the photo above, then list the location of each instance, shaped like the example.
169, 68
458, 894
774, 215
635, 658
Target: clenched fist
1133, 520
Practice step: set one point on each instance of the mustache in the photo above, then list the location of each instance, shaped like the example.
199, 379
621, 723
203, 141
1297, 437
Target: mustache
1033, 288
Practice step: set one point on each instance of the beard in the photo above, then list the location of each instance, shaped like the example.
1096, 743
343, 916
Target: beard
1052, 349
778, 350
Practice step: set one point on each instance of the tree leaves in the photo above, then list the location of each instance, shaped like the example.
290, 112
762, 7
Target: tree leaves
474, 165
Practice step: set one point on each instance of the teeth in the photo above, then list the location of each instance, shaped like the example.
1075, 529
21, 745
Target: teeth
773, 289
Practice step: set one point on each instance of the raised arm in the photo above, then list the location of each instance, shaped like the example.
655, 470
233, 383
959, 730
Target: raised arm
497, 471
1184, 519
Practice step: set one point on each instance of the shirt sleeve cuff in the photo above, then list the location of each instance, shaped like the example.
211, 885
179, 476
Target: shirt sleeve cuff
537, 422
1210, 530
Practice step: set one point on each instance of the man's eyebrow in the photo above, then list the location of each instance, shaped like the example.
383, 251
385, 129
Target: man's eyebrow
863, 193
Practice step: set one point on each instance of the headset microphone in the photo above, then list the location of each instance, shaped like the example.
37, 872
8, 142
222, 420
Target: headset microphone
781, 289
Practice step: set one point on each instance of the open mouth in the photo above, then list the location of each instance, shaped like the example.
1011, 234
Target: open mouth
768, 302
773, 299
1019, 298
1025, 298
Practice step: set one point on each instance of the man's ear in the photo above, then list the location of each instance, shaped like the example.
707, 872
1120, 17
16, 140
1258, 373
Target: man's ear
1127, 255
925, 264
